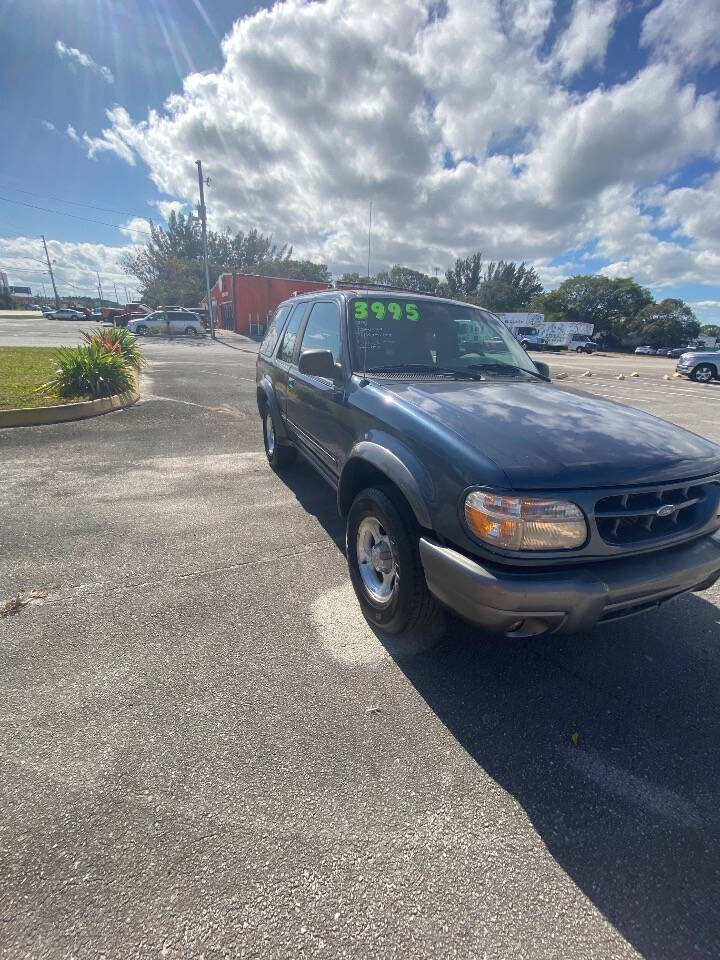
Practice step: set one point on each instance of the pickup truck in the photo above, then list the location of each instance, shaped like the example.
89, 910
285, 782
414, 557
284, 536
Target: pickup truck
529, 338
467, 479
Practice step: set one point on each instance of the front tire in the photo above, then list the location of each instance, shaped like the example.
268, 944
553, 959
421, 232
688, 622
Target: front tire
190, 332
382, 541
278, 455
141, 329
703, 373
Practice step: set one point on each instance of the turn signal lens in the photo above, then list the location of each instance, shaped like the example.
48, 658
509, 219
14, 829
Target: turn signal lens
519, 523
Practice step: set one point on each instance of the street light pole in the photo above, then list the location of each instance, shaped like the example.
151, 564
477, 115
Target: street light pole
203, 222
99, 288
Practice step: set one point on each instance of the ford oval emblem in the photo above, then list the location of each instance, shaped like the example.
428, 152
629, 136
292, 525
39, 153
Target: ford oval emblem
666, 509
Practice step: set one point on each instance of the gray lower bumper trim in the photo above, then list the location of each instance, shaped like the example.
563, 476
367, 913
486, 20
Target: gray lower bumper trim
570, 601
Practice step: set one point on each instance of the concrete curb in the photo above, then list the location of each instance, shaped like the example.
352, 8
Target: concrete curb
63, 412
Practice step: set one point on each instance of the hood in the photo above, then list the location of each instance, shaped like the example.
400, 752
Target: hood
545, 436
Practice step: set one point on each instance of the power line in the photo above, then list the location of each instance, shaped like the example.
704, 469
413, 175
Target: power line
77, 203
75, 216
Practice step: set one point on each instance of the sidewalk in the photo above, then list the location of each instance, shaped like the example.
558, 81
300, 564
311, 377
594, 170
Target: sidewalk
238, 340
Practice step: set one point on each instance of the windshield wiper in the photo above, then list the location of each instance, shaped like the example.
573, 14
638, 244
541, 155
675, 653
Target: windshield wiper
423, 368
498, 365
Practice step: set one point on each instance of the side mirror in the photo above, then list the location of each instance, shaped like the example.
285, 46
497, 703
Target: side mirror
319, 363
542, 368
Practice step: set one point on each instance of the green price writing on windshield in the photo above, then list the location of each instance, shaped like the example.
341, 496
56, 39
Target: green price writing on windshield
379, 309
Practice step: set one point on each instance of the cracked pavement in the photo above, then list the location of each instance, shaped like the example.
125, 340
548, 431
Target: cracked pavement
207, 752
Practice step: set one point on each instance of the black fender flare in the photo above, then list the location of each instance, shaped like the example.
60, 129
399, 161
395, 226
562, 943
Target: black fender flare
400, 465
266, 396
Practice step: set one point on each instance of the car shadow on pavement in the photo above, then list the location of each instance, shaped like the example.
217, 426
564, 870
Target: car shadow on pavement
316, 497
608, 740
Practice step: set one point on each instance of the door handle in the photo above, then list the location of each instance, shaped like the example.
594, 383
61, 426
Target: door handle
291, 381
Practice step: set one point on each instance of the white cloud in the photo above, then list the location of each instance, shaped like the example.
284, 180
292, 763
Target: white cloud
458, 127
586, 39
75, 266
687, 31
166, 207
707, 311
137, 229
112, 139
631, 133
693, 211
76, 58
48, 125
72, 133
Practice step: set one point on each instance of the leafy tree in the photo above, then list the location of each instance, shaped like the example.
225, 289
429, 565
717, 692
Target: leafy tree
507, 286
295, 270
670, 323
409, 279
608, 304
710, 330
356, 278
170, 267
464, 277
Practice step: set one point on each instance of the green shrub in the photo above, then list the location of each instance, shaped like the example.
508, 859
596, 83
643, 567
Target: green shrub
117, 340
89, 371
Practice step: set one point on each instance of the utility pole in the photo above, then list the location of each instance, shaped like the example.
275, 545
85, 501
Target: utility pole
203, 221
52, 277
99, 289
117, 298
369, 241
127, 298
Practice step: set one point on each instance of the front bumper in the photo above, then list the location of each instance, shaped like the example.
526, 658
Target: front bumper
529, 604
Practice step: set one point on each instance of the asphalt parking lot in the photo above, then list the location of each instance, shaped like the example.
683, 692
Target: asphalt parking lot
209, 753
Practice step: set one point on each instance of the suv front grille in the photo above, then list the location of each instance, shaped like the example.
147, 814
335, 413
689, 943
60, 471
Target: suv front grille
633, 518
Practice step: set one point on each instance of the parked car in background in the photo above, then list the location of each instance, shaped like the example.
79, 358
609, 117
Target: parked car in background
65, 313
648, 351
581, 343
462, 477
701, 366
169, 322
679, 351
203, 316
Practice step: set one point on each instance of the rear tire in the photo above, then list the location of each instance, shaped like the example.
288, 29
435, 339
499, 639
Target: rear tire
278, 455
382, 531
703, 373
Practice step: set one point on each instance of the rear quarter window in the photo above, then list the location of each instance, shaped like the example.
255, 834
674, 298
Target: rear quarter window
273, 332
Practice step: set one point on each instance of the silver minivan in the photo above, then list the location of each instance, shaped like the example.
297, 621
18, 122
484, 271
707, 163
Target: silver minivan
169, 322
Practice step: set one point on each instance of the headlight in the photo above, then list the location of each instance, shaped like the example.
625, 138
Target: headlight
520, 523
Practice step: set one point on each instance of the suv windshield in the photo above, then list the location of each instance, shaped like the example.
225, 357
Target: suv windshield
398, 334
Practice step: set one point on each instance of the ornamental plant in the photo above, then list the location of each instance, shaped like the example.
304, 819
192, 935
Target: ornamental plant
117, 340
89, 371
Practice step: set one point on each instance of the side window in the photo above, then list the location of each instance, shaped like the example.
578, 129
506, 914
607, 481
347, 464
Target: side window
323, 329
287, 348
273, 332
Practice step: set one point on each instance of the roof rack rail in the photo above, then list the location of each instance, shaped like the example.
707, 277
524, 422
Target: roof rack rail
346, 285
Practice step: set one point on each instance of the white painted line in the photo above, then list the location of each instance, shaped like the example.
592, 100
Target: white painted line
643, 793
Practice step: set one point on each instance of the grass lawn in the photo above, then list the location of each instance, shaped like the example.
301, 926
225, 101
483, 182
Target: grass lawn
22, 370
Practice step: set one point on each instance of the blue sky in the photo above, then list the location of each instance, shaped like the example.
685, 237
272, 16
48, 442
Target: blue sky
581, 135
